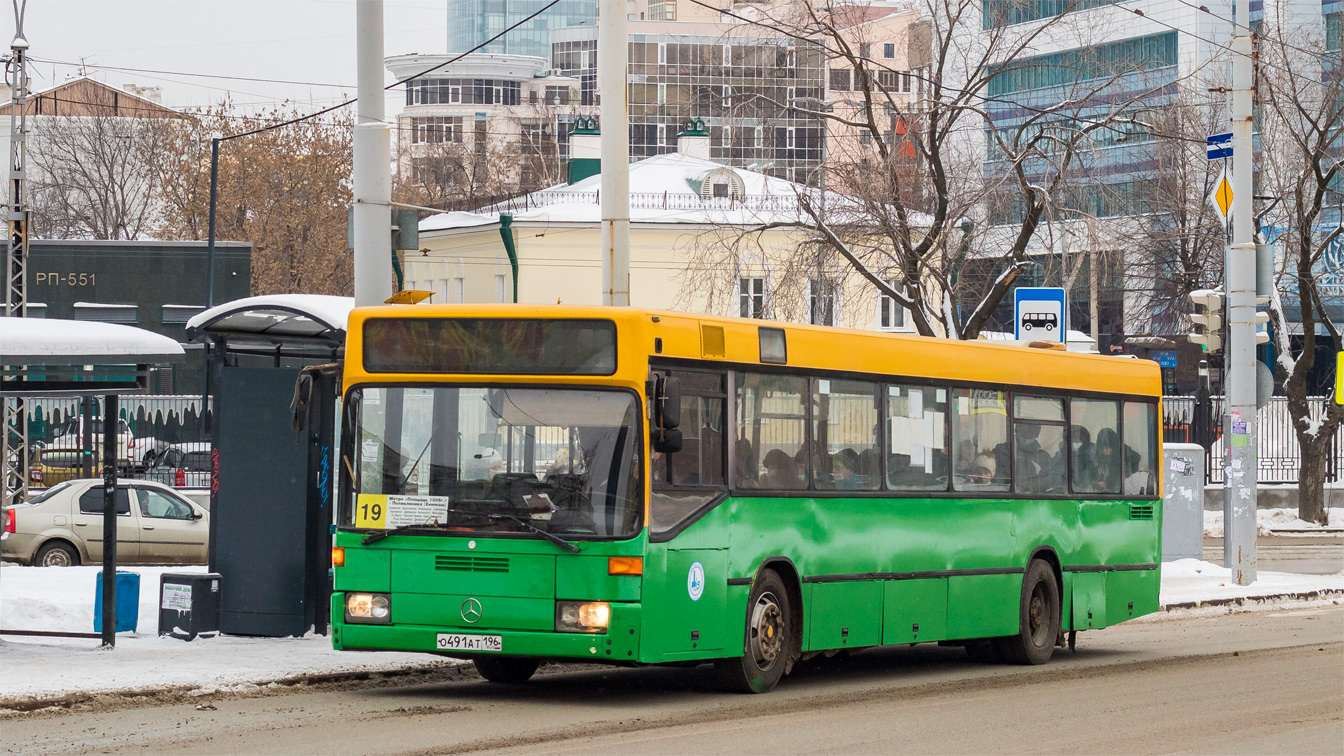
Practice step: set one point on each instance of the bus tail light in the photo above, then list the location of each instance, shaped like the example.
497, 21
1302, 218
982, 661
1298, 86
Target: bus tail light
625, 565
582, 616
338, 556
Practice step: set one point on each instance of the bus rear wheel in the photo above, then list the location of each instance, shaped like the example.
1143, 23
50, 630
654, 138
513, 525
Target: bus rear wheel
1038, 623
768, 642
505, 670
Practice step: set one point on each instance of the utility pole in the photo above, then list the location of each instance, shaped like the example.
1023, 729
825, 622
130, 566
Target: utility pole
14, 429
373, 155
612, 57
1240, 492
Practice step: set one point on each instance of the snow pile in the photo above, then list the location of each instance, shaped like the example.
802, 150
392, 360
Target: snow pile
61, 599
1195, 581
1269, 520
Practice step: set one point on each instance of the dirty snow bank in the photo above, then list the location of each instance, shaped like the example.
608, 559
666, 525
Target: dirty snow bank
1269, 520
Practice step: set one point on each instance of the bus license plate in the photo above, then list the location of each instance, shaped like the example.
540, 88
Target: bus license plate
463, 642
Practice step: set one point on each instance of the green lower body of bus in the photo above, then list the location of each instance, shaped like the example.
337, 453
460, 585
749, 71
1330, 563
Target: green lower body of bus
859, 572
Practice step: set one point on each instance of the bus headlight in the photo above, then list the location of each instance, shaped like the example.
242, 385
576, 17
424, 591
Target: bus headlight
582, 616
368, 608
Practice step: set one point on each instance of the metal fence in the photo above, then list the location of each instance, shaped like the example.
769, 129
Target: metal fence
163, 438
1277, 454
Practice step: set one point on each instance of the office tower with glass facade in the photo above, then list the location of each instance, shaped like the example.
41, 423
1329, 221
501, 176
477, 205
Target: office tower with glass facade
739, 84
472, 22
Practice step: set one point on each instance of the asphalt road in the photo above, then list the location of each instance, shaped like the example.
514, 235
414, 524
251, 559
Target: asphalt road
1268, 682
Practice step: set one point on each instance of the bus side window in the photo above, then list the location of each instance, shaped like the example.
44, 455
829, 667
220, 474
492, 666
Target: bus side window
1093, 441
1140, 450
979, 431
701, 459
916, 438
844, 435
1038, 459
771, 439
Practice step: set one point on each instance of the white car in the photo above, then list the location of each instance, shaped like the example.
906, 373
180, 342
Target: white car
71, 436
63, 526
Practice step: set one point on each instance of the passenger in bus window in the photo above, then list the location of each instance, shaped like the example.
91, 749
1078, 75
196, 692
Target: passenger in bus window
1107, 469
981, 472
843, 465
781, 471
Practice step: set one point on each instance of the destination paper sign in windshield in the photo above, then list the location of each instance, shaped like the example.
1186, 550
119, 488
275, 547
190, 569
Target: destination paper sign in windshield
383, 511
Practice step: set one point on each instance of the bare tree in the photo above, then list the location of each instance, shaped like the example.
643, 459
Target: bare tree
1301, 88
286, 190
945, 192
93, 176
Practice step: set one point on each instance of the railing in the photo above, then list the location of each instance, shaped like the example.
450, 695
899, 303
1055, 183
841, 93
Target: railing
778, 203
164, 439
1278, 456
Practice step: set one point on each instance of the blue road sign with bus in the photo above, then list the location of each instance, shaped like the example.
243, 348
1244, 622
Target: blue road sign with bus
1039, 314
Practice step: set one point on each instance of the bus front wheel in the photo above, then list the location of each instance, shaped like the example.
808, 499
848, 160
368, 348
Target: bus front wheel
1038, 623
768, 642
505, 670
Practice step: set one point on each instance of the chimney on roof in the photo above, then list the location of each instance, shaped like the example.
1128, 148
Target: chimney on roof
693, 140
585, 150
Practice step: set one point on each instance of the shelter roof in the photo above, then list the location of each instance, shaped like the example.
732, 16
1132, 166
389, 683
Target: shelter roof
43, 341
276, 318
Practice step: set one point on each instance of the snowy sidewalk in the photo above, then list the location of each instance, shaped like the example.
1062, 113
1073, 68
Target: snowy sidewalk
34, 598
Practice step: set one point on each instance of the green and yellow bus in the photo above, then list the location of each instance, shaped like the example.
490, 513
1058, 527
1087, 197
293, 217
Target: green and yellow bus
522, 484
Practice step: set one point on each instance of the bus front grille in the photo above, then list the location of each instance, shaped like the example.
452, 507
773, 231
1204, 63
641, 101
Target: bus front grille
459, 563
1140, 511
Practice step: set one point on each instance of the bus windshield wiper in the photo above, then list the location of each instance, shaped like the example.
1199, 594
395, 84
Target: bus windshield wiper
381, 534
555, 539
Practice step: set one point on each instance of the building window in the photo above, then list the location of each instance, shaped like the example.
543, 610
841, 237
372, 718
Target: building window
751, 296
866, 138
888, 51
890, 315
1074, 66
557, 95
459, 290
865, 50
821, 301
888, 80
500, 292
840, 79
436, 130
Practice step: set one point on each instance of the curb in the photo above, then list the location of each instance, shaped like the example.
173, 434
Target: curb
1317, 595
187, 693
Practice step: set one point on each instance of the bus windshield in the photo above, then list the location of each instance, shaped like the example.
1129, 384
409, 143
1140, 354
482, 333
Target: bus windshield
493, 459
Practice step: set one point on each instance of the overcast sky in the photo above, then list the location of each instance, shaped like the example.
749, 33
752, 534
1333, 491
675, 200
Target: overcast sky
311, 41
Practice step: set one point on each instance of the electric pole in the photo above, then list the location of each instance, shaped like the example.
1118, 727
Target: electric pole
14, 429
373, 154
1240, 492
612, 56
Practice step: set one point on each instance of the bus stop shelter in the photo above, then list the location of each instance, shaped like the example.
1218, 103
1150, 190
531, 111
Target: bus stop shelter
271, 494
45, 356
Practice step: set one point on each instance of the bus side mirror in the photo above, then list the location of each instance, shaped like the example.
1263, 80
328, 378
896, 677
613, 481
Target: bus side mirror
668, 441
669, 402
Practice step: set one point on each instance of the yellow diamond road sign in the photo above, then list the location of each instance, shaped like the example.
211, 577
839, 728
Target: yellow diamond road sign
1222, 195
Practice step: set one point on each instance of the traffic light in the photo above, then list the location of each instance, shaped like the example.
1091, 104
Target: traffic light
1261, 334
1207, 319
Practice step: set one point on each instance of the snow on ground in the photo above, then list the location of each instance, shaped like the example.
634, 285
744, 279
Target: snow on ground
61, 599
47, 598
1193, 580
1270, 520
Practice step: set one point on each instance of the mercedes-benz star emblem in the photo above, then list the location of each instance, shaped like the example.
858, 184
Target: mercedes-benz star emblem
471, 611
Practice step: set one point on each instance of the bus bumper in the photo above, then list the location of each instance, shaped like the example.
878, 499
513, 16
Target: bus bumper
619, 643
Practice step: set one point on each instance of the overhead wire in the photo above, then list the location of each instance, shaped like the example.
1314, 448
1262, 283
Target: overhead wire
429, 70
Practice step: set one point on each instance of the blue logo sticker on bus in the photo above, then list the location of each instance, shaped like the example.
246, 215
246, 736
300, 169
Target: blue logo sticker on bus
695, 581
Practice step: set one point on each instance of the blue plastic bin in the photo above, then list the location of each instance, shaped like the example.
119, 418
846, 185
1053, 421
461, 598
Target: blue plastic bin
128, 602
